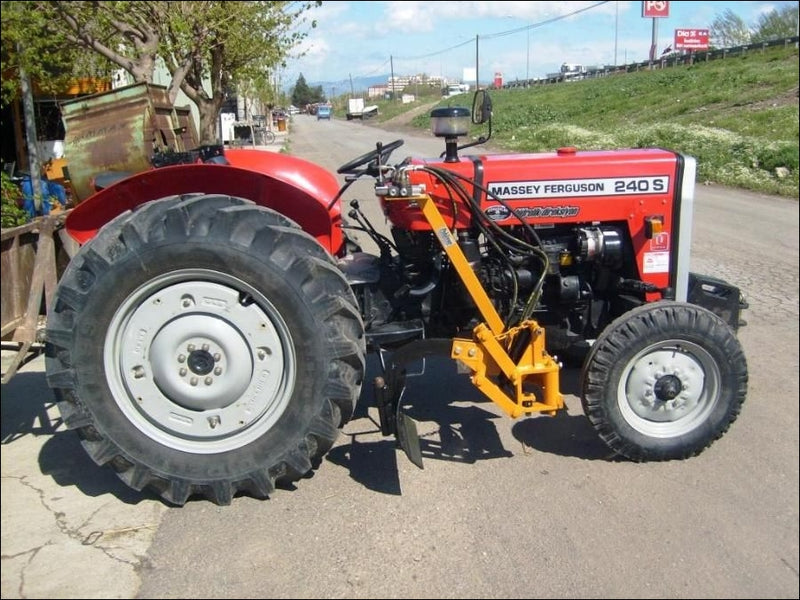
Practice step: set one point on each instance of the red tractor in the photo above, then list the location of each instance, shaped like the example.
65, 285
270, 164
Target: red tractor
210, 336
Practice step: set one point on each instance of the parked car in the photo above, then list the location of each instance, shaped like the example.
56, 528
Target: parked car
324, 111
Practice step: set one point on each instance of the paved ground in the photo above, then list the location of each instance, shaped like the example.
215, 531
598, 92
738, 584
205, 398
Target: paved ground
59, 513
503, 509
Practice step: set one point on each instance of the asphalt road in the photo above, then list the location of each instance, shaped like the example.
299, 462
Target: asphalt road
503, 508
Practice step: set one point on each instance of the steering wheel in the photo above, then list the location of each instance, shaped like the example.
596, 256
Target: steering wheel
372, 156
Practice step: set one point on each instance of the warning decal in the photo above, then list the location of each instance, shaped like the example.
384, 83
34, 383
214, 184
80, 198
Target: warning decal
656, 262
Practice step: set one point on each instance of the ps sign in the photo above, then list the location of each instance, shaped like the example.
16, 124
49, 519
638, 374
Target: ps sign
691, 39
655, 9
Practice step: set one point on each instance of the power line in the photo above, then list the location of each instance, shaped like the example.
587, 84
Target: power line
500, 34
490, 36
438, 52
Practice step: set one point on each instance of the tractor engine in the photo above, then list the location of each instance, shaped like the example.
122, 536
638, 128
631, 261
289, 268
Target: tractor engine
570, 239
581, 266
579, 272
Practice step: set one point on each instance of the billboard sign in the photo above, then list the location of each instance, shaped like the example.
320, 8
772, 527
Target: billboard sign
691, 39
655, 10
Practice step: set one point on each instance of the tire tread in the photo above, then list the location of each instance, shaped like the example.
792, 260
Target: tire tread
245, 225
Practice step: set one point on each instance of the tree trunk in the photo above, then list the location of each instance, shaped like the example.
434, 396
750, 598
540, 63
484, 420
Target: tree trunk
142, 69
208, 109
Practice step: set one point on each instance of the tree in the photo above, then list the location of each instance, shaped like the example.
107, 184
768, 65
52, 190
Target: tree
29, 42
728, 29
302, 94
31, 57
124, 33
207, 46
777, 24
221, 45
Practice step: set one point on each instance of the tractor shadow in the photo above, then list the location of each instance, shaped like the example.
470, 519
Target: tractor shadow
457, 423
32, 431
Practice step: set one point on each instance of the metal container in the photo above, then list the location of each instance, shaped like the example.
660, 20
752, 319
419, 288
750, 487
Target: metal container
121, 130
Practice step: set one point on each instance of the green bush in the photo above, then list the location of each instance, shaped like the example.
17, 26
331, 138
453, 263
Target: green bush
779, 155
11, 212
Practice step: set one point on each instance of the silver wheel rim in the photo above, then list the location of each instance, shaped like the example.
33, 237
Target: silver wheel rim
199, 361
669, 389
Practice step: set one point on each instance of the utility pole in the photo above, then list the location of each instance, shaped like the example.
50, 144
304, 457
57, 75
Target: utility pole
477, 78
528, 57
616, 30
34, 166
391, 80
352, 91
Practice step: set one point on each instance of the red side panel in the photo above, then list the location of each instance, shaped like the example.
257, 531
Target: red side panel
627, 188
623, 187
294, 187
571, 186
407, 215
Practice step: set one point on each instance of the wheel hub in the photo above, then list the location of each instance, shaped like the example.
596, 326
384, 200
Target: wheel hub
200, 362
667, 387
200, 365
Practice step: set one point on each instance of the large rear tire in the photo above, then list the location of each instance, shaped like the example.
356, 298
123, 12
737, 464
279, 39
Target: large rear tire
664, 381
203, 345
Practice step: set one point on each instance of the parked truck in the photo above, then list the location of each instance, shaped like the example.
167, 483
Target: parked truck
356, 109
568, 72
455, 89
209, 335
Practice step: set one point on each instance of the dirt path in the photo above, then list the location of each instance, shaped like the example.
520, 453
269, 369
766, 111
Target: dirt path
402, 122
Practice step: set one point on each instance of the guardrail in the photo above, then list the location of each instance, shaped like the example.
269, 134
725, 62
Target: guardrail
670, 60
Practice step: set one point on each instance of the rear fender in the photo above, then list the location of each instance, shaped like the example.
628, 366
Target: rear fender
296, 188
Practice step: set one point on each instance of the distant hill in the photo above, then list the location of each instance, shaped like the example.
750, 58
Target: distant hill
343, 86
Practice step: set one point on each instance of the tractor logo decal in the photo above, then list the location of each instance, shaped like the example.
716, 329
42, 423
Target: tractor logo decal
498, 212
501, 213
445, 237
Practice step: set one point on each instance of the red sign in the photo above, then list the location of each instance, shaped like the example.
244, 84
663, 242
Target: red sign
655, 9
691, 39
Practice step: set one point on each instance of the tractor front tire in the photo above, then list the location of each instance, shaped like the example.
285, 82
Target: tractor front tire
204, 345
664, 381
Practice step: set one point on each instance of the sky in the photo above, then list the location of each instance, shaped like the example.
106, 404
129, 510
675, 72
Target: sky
520, 40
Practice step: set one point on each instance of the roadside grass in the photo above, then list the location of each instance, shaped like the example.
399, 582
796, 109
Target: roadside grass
737, 116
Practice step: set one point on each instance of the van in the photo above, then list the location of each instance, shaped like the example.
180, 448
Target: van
454, 89
324, 112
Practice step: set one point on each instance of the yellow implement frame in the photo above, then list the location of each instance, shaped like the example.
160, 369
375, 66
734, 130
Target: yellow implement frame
534, 375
